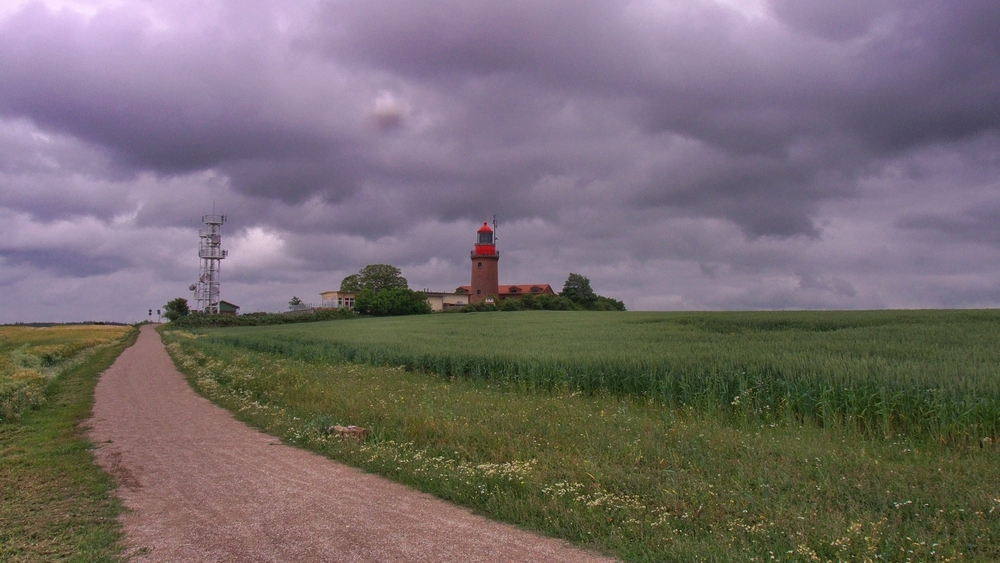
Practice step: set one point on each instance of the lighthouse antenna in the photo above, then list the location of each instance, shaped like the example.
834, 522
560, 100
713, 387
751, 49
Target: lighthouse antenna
494, 228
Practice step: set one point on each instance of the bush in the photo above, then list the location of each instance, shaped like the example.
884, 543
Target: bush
510, 305
525, 302
607, 304
391, 301
480, 307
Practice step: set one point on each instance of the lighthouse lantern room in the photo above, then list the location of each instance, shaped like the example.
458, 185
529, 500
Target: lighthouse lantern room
484, 242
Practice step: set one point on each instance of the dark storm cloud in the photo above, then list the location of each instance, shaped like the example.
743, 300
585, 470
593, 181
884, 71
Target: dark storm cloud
64, 262
785, 112
789, 114
933, 80
836, 21
837, 286
980, 224
168, 103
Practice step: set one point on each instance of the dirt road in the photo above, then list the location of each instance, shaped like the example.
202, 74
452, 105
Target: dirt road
201, 486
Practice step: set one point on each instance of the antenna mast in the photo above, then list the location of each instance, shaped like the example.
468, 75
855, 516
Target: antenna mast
494, 228
206, 291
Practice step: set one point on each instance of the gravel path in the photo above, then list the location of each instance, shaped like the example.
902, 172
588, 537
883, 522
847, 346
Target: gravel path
201, 486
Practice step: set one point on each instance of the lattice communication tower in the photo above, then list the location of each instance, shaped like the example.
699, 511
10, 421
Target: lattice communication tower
206, 291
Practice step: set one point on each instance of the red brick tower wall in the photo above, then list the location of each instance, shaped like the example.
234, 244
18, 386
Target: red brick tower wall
485, 277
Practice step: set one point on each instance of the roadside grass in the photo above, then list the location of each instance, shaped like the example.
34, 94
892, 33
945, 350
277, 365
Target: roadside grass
621, 474
924, 374
55, 502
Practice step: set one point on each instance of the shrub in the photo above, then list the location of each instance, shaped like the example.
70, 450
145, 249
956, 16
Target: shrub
176, 308
391, 301
198, 319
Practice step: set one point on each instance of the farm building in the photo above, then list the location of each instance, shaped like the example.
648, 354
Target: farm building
440, 300
227, 308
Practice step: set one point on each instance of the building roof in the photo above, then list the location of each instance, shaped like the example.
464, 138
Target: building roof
226, 305
337, 293
518, 289
430, 293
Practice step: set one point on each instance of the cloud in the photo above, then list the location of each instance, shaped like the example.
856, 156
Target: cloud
839, 21
388, 113
255, 249
690, 154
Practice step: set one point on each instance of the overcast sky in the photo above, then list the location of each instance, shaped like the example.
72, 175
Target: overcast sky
682, 154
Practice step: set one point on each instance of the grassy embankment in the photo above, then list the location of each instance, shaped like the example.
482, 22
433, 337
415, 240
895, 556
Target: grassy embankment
658, 437
55, 502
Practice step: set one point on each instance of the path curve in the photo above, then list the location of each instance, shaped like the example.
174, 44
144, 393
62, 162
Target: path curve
201, 486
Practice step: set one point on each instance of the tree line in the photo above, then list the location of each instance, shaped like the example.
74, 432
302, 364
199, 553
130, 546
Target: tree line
381, 290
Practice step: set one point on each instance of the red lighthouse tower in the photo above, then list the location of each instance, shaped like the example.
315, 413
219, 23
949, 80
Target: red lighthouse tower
485, 274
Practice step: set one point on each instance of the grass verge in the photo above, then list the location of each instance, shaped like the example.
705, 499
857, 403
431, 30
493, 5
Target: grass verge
55, 502
623, 475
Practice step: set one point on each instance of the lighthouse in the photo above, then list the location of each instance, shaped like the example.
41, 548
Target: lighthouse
485, 274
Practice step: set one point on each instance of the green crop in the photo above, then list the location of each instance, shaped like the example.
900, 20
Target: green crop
927, 374
719, 478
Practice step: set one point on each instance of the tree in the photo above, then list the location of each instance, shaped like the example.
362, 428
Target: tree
375, 277
176, 308
577, 289
351, 283
294, 303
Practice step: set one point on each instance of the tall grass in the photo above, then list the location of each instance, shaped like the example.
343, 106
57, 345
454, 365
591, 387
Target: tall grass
930, 374
31, 357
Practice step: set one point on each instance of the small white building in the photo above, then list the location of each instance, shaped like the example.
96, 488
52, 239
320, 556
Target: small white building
337, 299
440, 300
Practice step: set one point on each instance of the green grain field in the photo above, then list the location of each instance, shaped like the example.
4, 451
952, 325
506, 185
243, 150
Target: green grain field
791, 436
918, 373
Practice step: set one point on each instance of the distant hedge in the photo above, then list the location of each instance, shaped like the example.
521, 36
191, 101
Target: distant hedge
197, 320
528, 302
